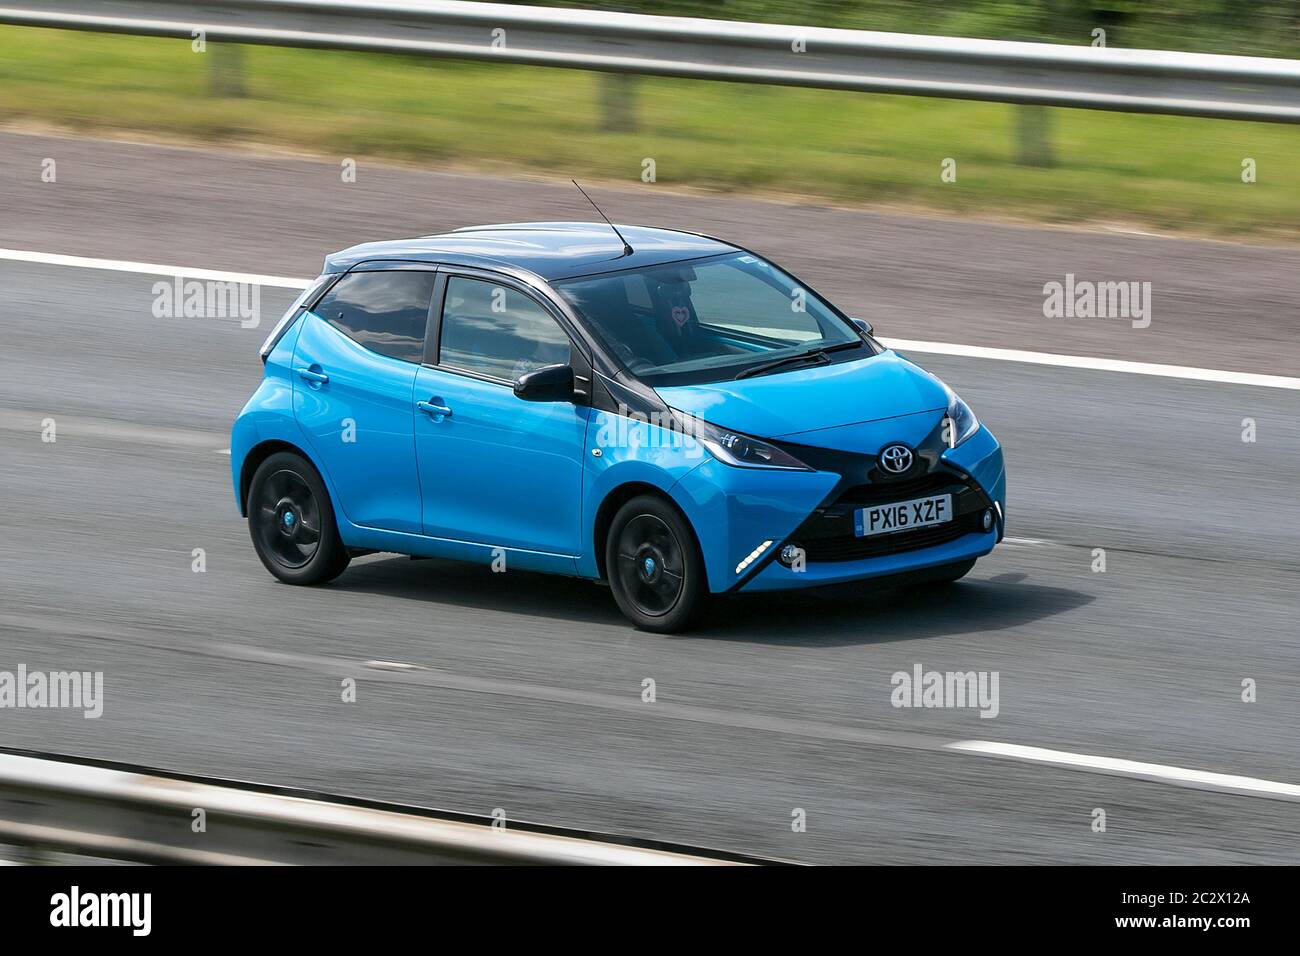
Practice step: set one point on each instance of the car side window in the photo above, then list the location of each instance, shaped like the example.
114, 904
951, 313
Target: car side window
498, 331
387, 312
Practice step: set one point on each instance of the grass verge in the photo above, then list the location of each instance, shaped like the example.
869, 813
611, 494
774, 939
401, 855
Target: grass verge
1167, 173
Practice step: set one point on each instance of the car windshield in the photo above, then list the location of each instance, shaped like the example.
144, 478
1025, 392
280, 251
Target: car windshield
707, 319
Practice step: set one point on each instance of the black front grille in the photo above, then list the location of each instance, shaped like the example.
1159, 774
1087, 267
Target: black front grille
935, 483
828, 535
852, 548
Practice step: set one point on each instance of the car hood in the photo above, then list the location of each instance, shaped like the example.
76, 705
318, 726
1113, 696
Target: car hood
793, 403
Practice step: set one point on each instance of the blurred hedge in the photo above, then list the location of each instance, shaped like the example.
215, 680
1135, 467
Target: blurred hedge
1248, 27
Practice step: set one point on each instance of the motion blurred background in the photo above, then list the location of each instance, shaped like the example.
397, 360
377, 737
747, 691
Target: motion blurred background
1056, 165
482, 691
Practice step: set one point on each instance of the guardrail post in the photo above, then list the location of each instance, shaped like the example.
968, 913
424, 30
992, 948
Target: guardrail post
1034, 136
618, 102
618, 91
226, 69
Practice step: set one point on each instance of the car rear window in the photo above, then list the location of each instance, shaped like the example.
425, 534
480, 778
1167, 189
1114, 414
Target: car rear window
387, 312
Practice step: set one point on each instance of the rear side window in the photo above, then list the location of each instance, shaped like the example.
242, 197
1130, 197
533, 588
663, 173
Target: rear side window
497, 331
385, 311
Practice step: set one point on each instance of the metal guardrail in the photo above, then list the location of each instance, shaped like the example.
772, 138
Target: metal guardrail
1148, 81
146, 816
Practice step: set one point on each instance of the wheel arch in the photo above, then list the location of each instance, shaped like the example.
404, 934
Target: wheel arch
616, 498
258, 454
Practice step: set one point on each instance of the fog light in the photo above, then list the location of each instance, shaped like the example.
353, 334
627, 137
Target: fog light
790, 554
988, 518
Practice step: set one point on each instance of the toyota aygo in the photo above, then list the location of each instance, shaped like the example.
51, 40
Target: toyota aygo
664, 411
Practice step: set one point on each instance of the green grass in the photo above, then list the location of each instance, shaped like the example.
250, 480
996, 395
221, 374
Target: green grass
1169, 173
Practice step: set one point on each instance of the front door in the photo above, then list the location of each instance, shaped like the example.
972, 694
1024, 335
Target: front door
496, 470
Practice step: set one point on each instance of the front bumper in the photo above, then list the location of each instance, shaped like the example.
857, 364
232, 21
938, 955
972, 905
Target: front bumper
743, 517
775, 576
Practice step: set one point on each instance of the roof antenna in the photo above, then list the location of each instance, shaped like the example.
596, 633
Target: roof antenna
627, 249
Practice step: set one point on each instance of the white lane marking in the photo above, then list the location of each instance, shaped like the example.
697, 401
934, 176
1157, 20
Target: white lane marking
1161, 773
223, 451
1096, 364
1130, 231
749, 720
1010, 540
907, 345
17, 420
39, 623
151, 268
394, 666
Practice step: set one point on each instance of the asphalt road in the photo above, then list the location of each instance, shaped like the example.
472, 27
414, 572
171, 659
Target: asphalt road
526, 690
1213, 304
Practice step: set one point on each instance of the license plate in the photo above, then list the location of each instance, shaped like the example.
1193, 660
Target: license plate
902, 515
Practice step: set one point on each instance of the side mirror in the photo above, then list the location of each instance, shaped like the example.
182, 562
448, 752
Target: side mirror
550, 383
863, 324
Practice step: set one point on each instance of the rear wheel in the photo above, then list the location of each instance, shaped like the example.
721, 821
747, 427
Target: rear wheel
291, 522
654, 566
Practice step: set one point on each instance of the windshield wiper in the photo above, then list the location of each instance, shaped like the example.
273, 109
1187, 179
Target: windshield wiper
818, 355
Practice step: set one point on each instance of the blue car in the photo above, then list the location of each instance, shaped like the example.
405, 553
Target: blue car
663, 411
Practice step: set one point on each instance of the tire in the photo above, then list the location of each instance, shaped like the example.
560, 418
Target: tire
654, 566
288, 507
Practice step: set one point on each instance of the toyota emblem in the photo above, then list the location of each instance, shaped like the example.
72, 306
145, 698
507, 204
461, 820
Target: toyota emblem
896, 459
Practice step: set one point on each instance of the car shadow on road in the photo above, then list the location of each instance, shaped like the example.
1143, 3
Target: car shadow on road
820, 617
476, 587
863, 614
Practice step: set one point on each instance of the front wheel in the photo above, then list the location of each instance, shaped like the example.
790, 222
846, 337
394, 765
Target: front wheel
654, 566
292, 522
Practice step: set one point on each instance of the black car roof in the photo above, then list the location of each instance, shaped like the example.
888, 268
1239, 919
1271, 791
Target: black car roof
550, 250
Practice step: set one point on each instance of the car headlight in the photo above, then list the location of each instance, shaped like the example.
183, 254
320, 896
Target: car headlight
962, 422
743, 451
